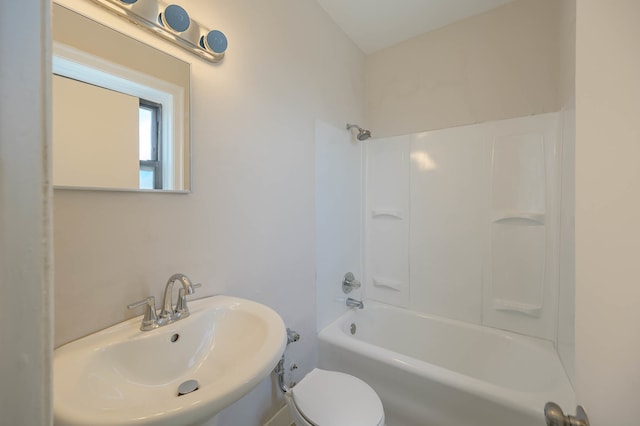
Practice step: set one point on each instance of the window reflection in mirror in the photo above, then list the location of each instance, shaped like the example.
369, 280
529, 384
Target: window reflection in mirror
120, 110
150, 153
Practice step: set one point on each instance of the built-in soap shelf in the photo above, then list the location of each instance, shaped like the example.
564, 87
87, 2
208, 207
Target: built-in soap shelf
387, 283
515, 217
386, 221
512, 306
518, 222
387, 213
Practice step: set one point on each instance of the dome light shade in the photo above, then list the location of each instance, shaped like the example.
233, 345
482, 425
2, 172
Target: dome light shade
176, 18
214, 41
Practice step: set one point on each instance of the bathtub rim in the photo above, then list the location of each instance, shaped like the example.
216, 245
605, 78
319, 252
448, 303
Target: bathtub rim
336, 334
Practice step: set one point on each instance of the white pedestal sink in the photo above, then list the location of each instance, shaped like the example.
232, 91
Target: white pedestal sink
124, 376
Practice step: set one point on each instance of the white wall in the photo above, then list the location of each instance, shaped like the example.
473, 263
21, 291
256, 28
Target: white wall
463, 223
449, 200
338, 219
500, 64
566, 274
566, 293
248, 227
607, 210
386, 220
25, 215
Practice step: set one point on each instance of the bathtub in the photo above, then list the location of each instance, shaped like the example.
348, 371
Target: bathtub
432, 371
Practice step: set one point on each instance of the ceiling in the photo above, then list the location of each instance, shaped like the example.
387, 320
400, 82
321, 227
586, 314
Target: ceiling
374, 25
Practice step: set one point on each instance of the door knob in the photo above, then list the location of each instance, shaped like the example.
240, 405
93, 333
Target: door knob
555, 417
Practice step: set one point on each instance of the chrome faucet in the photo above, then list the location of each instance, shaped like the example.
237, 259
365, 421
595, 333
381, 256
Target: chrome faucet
168, 313
353, 303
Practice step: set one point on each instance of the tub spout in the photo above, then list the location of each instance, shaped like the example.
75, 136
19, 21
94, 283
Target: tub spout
353, 303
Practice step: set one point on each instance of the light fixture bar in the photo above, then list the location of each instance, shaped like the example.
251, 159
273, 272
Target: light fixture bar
172, 23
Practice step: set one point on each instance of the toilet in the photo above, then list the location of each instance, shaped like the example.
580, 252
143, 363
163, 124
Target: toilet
330, 398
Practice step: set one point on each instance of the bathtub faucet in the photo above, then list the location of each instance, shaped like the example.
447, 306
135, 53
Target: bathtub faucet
353, 303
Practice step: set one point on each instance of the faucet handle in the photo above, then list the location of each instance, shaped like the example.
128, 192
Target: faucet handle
182, 310
150, 319
349, 283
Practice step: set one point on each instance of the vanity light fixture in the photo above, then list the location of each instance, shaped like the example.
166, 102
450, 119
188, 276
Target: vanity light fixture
172, 22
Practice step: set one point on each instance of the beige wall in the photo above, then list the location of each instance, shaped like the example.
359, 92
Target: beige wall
94, 133
567, 53
501, 64
247, 229
607, 210
98, 40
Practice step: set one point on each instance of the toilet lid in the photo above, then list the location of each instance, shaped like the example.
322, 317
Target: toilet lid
329, 398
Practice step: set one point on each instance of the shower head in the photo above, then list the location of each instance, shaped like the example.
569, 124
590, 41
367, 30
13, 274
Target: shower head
362, 135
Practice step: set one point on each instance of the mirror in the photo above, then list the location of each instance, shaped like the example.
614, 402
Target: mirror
120, 110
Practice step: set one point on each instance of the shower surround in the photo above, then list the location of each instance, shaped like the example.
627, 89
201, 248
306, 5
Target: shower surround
463, 223
460, 238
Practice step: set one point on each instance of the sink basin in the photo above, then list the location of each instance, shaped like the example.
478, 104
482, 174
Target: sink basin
124, 376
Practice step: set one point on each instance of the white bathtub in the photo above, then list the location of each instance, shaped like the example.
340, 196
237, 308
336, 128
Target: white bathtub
431, 371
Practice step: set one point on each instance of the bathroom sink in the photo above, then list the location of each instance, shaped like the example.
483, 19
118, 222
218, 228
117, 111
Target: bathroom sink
124, 376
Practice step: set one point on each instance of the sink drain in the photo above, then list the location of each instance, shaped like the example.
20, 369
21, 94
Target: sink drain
188, 387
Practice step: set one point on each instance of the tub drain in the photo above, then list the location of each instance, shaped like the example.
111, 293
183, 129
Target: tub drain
353, 328
188, 387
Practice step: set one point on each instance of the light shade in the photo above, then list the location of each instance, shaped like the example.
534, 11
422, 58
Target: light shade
214, 41
176, 18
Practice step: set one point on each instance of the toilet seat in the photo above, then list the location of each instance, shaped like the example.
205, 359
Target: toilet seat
330, 398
